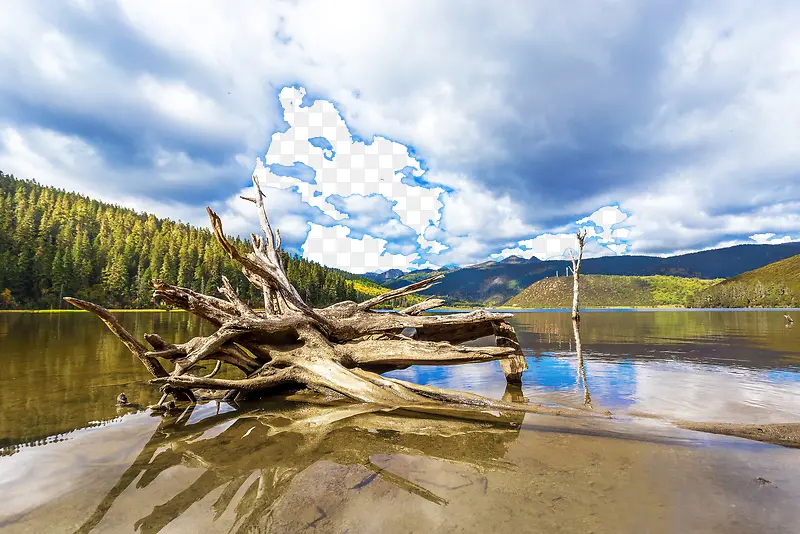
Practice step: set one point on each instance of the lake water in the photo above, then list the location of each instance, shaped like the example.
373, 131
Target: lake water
71, 461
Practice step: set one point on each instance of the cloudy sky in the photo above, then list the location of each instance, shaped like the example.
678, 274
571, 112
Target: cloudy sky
661, 126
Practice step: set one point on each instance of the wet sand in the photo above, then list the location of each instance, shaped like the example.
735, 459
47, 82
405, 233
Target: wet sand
787, 435
381, 473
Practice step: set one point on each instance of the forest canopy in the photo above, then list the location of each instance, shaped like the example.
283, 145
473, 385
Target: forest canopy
55, 243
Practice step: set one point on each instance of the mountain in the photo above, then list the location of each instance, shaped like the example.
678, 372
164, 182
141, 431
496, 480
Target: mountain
495, 282
598, 291
414, 276
517, 259
776, 285
54, 243
383, 277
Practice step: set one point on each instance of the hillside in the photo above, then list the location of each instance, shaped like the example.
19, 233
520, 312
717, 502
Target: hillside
599, 291
54, 243
776, 285
384, 276
496, 282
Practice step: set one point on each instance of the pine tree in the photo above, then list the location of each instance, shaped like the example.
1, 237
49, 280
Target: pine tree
54, 244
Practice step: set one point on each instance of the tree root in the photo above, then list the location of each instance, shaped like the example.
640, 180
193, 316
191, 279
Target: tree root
333, 351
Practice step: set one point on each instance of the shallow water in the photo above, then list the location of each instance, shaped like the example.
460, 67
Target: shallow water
71, 461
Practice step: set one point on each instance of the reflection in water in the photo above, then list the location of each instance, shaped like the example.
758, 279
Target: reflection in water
731, 366
254, 456
79, 463
587, 396
63, 371
739, 333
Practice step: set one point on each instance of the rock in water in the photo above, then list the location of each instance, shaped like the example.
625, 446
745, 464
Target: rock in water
122, 400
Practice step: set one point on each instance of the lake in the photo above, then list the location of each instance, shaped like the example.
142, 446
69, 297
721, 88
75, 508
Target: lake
71, 461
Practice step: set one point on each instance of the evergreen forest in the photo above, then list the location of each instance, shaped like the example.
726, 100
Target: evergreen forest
55, 243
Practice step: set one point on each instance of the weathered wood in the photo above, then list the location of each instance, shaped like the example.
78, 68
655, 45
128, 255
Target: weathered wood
425, 305
405, 353
401, 292
576, 272
332, 351
515, 366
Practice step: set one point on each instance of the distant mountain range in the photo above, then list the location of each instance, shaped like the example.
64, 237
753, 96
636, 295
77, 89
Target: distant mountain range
493, 282
385, 276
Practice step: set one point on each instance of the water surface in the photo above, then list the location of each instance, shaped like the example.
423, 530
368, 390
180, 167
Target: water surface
71, 461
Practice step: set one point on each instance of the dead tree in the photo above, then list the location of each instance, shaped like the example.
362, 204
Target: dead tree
338, 352
576, 272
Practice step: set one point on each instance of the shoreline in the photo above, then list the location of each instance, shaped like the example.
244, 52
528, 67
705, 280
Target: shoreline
783, 434
450, 309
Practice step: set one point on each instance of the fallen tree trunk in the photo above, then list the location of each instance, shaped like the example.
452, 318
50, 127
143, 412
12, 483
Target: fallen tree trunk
337, 351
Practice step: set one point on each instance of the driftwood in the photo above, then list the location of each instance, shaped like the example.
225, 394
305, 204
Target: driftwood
338, 352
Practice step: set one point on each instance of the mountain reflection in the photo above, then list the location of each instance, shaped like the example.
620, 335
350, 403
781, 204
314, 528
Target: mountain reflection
252, 459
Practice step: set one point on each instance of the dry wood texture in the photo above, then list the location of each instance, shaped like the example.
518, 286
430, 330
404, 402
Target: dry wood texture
337, 352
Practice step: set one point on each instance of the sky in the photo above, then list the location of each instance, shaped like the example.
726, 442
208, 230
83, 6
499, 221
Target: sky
411, 134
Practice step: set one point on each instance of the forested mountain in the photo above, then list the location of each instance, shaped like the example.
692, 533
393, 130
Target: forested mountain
383, 276
54, 243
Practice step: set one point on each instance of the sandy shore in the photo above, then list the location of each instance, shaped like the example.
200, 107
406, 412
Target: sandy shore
786, 434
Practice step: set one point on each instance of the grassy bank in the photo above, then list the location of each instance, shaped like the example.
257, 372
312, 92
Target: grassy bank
776, 285
611, 291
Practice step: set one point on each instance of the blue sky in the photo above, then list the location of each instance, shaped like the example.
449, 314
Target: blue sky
665, 126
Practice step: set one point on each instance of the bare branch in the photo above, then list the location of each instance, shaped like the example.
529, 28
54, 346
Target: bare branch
213, 373
266, 228
127, 339
212, 309
259, 265
425, 305
230, 293
576, 271
273, 379
401, 292
404, 353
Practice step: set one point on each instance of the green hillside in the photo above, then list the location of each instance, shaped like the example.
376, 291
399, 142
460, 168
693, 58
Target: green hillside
776, 285
599, 291
54, 243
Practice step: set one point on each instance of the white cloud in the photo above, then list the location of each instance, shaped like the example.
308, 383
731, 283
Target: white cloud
606, 218
356, 168
63, 161
609, 240
179, 102
540, 121
331, 245
769, 238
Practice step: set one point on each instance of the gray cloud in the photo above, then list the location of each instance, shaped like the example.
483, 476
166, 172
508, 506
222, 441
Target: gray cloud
683, 113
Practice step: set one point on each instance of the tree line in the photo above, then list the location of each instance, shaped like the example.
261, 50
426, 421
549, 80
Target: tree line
55, 243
